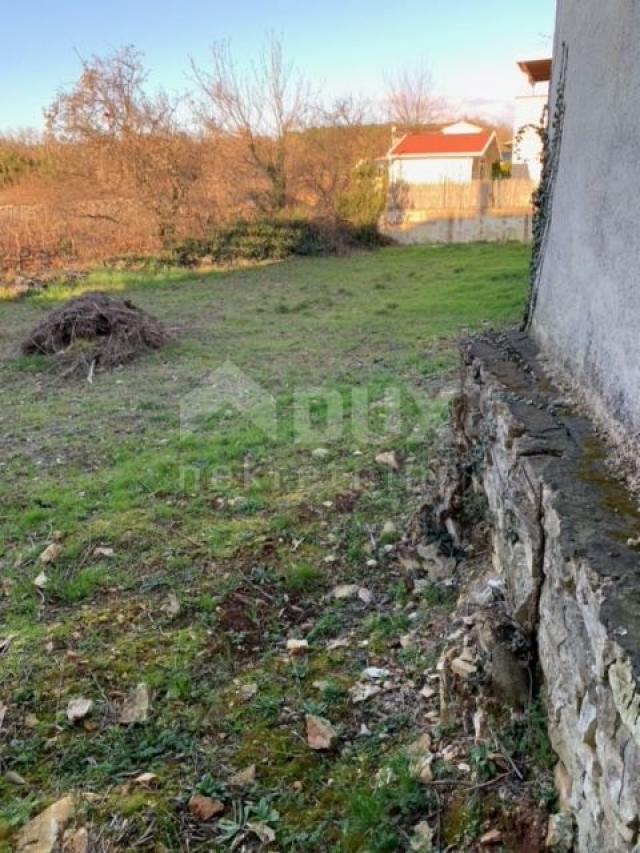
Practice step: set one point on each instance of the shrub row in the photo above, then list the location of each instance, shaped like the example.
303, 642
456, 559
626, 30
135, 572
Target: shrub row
274, 240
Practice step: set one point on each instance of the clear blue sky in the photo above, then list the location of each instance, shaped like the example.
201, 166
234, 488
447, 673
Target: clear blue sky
471, 45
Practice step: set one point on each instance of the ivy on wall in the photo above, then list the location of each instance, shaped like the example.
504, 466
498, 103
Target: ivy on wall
551, 136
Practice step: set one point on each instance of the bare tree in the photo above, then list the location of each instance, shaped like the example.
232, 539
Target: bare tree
411, 100
107, 101
126, 138
262, 108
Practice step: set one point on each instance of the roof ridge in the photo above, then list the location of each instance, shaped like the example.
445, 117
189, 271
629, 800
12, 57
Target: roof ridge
470, 144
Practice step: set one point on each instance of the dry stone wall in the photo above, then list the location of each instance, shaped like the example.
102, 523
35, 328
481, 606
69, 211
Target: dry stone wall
561, 529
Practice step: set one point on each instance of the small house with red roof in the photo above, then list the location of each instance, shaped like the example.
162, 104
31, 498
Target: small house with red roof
457, 153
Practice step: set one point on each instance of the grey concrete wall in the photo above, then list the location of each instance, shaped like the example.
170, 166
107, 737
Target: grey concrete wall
460, 229
587, 314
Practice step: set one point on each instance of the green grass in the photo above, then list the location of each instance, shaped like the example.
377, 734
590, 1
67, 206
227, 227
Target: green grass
249, 531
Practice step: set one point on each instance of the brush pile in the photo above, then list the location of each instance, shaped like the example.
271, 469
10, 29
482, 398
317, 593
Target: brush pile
96, 331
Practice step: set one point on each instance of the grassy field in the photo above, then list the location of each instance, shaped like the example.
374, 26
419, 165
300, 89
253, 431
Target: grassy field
193, 540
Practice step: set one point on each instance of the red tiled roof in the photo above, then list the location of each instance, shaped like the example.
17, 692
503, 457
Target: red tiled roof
432, 144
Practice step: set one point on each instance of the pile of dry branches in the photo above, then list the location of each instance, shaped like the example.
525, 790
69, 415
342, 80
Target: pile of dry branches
96, 330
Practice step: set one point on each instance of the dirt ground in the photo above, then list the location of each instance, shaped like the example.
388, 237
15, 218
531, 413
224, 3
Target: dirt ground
172, 532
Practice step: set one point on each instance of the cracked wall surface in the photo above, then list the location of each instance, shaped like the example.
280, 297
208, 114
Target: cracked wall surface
560, 529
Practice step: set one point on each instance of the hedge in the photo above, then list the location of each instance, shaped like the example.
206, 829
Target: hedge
265, 240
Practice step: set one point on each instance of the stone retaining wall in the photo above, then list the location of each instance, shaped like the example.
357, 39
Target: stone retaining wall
560, 527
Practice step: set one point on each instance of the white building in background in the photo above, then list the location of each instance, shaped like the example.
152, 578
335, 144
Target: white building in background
530, 111
458, 153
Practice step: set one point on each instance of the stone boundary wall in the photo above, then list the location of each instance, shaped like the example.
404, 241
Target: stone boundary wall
561, 528
423, 228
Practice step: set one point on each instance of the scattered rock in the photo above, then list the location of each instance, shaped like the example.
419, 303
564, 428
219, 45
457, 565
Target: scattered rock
76, 841
135, 708
438, 567
248, 691
560, 833
320, 453
50, 554
421, 840
320, 733
463, 668
421, 746
297, 647
408, 562
345, 590
41, 581
42, 834
363, 692
205, 808
243, 778
428, 552
7, 585
485, 592
15, 778
101, 551
421, 758
452, 752
408, 641
375, 673
171, 605
365, 595
78, 709
480, 728
499, 638
491, 838
338, 643
146, 779
428, 692
420, 768
388, 458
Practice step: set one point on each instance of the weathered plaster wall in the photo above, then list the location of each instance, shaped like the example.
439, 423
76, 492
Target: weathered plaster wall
560, 530
587, 314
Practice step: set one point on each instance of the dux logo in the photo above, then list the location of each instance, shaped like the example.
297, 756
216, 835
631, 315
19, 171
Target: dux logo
228, 388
